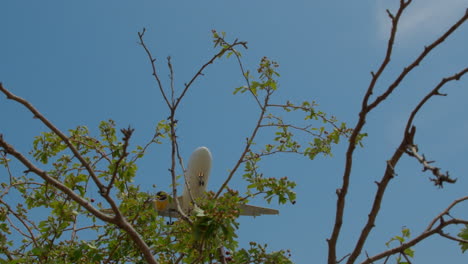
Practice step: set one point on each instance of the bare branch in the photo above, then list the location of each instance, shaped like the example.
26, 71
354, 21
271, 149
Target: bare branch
445, 212
440, 177
441, 233
418, 60
377, 201
406, 257
153, 65
247, 145
391, 40
186, 184
406, 146
366, 108
434, 92
343, 258
202, 68
77, 229
173, 166
342, 192
171, 77
143, 150
412, 149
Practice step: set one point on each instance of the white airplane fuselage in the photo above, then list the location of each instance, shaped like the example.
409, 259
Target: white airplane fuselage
196, 179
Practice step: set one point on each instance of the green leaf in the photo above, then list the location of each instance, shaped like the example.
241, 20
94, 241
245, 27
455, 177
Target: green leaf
409, 252
463, 235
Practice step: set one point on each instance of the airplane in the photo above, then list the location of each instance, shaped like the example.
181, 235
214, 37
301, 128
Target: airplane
195, 182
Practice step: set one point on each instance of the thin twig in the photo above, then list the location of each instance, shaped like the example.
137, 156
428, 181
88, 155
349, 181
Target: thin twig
434, 92
153, 65
418, 60
247, 145
441, 233
23, 222
171, 78
127, 134
202, 68
186, 184
173, 166
143, 150
445, 212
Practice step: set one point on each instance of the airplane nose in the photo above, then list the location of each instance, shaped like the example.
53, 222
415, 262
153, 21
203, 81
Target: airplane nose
203, 151
202, 155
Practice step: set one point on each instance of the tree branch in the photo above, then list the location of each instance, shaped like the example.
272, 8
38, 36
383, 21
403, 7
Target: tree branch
406, 146
440, 178
441, 233
127, 134
414, 241
118, 219
202, 68
366, 108
175, 103
342, 192
173, 166
445, 212
153, 65
23, 222
412, 149
418, 60
434, 92
57, 184
59, 133
247, 145
381, 187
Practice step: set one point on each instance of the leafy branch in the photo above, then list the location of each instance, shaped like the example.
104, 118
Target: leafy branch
262, 90
174, 102
435, 227
118, 219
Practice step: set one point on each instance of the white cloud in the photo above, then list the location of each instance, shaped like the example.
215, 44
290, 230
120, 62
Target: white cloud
422, 19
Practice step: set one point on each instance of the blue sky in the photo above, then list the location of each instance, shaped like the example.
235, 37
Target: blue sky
79, 63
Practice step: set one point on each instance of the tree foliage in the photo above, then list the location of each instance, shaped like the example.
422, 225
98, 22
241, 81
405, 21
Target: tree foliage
64, 170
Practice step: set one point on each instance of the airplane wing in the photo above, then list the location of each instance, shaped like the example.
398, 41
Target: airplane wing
170, 212
245, 209
251, 210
